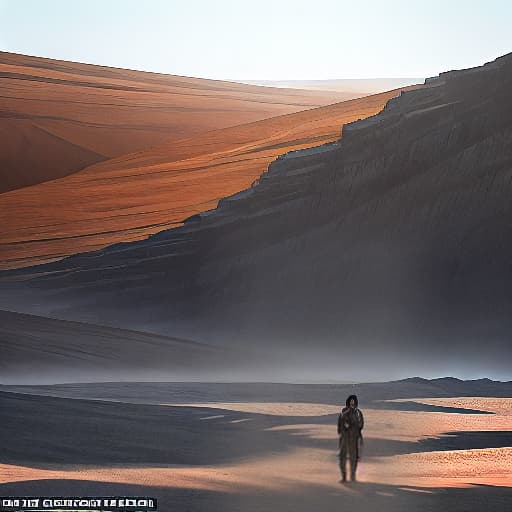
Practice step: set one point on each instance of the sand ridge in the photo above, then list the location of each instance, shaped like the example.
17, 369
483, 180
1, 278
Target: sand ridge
85, 113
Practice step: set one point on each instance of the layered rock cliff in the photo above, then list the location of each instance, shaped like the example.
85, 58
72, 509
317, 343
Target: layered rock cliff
396, 238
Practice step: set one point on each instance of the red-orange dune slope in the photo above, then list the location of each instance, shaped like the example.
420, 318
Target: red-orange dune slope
57, 117
133, 196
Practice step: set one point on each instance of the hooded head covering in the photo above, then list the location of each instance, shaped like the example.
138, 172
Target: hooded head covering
350, 398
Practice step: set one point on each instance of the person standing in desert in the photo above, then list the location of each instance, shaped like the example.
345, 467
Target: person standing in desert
350, 425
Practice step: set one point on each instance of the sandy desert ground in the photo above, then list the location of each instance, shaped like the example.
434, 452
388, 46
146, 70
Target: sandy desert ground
260, 455
58, 116
133, 196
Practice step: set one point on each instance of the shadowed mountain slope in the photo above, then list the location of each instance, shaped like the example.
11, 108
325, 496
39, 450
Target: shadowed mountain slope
393, 244
38, 350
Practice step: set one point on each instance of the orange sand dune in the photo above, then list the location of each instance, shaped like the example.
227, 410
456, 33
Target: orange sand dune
135, 195
90, 113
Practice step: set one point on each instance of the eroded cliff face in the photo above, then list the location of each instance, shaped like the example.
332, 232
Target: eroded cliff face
398, 236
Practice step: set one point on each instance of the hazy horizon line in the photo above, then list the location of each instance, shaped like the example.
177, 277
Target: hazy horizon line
291, 382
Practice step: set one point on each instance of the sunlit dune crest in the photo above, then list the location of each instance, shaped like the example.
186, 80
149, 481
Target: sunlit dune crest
59, 117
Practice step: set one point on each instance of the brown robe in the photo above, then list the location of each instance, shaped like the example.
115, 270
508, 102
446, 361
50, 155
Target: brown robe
350, 425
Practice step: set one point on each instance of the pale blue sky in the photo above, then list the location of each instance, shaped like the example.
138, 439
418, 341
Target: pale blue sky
263, 39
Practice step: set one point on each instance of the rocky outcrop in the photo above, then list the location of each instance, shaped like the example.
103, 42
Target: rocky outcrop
397, 238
